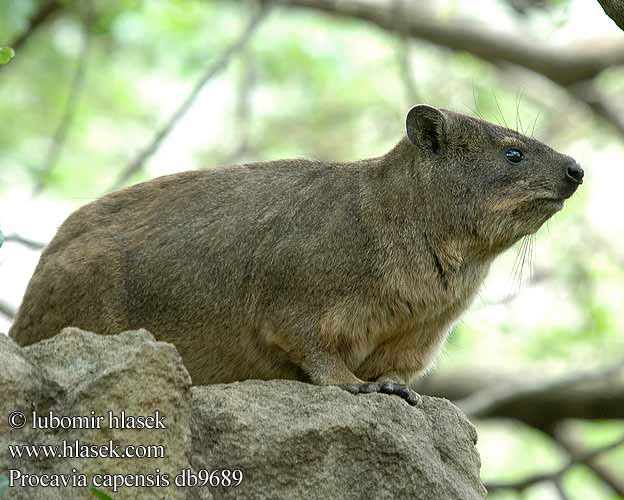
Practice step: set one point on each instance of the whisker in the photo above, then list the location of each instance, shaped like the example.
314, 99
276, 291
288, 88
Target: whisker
514, 269
517, 268
534, 123
472, 111
527, 256
476, 103
499, 109
524, 256
518, 112
532, 259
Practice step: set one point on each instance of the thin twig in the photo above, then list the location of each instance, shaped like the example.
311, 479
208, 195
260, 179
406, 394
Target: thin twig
574, 448
75, 88
529, 481
222, 62
482, 402
28, 243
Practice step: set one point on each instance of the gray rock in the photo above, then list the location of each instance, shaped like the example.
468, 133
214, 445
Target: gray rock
295, 440
78, 372
289, 439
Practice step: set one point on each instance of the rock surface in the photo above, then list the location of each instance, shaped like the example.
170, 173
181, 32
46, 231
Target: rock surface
76, 373
289, 439
295, 438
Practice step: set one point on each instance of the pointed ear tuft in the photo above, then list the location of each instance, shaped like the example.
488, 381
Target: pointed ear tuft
426, 127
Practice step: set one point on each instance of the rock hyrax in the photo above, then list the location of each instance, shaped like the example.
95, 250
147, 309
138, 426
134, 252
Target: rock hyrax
332, 273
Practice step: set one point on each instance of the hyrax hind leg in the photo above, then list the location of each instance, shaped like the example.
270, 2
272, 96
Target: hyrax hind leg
325, 365
322, 365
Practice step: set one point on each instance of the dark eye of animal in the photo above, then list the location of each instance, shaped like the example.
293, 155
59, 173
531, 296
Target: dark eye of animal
514, 155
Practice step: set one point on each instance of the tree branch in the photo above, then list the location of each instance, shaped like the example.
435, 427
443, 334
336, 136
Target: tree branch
45, 13
584, 93
564, 65
139, 162
523, 484
539, 405
574, 448
588, 94
483, 402
28, 243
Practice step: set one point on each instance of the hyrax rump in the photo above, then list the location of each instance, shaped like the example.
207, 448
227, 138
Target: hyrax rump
333, 273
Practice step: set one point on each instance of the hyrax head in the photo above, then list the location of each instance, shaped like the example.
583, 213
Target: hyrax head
491, 184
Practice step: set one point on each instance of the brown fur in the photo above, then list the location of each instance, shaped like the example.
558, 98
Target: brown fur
332, 273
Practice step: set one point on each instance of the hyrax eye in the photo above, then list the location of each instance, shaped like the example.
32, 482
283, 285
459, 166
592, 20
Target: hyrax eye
514, 155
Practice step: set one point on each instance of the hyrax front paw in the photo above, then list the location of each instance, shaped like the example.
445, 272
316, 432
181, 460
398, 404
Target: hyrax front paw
401, 390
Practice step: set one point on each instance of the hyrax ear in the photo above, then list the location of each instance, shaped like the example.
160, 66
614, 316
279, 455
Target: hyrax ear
426, 126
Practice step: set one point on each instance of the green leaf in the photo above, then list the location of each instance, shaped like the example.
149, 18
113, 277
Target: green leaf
6, 54
99, 494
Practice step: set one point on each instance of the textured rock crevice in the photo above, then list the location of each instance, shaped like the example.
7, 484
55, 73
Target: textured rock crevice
290, 439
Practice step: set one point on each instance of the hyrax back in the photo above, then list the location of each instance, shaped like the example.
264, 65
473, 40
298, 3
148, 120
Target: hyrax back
331, 273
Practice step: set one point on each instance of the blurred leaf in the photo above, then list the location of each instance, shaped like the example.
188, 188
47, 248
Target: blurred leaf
6, 54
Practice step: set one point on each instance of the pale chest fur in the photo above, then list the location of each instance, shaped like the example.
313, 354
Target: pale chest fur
408, 311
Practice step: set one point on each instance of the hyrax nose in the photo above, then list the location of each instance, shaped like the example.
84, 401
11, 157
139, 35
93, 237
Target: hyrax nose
575, 173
